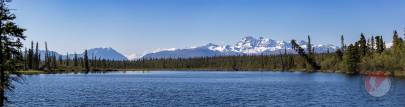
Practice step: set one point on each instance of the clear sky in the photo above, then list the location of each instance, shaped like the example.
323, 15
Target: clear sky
136, 26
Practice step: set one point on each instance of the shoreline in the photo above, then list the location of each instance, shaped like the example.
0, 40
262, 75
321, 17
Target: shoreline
379, 73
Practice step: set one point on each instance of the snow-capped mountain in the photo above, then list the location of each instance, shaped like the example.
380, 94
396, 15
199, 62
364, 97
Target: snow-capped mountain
248, 45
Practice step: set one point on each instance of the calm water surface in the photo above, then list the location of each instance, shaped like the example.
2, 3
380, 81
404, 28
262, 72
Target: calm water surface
201, 89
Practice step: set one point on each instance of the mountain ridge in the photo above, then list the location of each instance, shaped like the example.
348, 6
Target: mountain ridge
247, 46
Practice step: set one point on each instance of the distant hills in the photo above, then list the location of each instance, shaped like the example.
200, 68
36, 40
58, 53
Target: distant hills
106, 53
247, 46
100, 53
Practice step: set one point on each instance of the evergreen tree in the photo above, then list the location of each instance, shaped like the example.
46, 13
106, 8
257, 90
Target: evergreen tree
31, 56
308, 58
309, 45
75, 60
10, 36
47, 60
67, 59
351, 59
397, 42
36, 57
25, 59
86, 61
380, 45
54, 63
342, 43
362, 45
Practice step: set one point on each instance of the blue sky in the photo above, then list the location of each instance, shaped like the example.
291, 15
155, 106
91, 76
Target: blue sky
136, 26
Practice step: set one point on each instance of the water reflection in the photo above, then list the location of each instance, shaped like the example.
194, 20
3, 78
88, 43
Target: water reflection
208, 89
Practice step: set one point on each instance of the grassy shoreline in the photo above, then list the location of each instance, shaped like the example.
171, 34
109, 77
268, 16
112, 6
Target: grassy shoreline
31, 72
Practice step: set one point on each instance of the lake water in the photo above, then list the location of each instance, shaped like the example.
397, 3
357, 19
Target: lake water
168, 88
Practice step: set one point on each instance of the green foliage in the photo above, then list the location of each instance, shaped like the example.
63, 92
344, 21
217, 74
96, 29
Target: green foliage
397, 42
10, 54
362, 43
309, 56
86, 61
380, 44
351, 59
342, 43
309, 46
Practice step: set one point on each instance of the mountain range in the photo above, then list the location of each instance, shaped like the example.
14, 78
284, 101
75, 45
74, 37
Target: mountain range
247, 46
99, 53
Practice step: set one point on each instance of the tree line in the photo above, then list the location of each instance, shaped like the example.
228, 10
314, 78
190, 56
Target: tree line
51, 61
365, 55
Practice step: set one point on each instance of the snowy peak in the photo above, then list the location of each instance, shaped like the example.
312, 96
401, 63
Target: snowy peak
250, 42
215, 47
247, 45
251, 45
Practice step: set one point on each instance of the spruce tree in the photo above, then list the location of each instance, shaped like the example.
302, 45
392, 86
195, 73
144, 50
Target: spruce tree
309, 59
46, 56
10, 36
75, 60
351, 59
86, 61
362, 45
397, 42
380, 46
31, 56
67, 59
342, 43
54, 63
36, 57
309, 45
25, 59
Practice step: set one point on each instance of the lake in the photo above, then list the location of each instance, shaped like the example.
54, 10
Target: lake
203, 88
